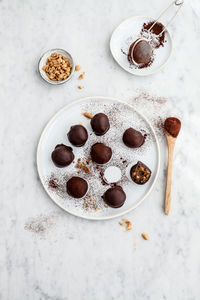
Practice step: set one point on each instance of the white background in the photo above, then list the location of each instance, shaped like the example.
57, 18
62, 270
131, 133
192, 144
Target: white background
80, 259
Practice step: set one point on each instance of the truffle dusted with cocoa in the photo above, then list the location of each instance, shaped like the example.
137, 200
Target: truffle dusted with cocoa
62, 156
78, 135
100, 124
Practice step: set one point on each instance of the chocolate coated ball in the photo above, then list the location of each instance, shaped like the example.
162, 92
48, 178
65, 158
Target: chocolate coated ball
101, 153
100, 124
140, 173
133, 138
62, 155
78, 135
77, 187
115, 197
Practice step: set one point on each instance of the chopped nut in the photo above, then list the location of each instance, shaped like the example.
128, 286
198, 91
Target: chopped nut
121, 223
87, 115
82, 166
128, 224
77, 67
145, 236
57, 67
80, 87
81, 76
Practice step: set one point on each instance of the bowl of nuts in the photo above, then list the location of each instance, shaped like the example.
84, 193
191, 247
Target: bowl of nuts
56, 66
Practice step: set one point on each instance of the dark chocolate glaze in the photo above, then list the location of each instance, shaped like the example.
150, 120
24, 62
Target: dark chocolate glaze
77, 187
133, 138
100, 124
62, 156
78, 135
115, 196
100, 153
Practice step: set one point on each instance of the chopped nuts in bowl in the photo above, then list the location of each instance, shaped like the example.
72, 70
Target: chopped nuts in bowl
56, 66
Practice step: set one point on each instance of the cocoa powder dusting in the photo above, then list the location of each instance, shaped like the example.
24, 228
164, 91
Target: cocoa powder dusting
172, 126
40, 224
156, 29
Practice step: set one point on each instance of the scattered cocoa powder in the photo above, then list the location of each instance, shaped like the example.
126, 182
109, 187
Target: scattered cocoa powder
40, 224
156, 30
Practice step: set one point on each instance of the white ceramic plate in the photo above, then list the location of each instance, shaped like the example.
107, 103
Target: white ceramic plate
125, 34
121, 116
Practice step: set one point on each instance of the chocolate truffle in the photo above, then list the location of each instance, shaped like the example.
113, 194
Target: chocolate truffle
77, 187
133, 138
78, 135
100, 124
115, 197
140, 173
141, 52
62, 156
101, 153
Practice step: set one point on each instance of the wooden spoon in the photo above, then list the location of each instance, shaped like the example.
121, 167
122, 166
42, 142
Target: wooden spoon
172, 127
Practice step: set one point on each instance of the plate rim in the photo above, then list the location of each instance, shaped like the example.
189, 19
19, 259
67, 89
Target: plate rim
127, 69
96, 218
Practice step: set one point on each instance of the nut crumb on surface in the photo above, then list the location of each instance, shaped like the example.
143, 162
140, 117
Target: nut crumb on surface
81, 76
80, 87
87, 115
128, 224
77, 67
145, 236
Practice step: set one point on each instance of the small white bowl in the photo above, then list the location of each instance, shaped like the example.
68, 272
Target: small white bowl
42, 63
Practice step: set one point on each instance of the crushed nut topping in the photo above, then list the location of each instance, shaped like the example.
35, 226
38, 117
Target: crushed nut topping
145, 236
82, 166
77, 67
87, 115
80, 87
121, 223
57, 67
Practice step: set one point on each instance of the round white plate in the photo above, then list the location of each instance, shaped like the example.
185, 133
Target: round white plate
125, 34
121, 116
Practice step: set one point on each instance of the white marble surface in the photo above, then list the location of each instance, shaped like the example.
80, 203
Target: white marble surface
75, 258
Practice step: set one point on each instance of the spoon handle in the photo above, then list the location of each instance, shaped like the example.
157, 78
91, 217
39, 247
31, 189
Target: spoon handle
169, 178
